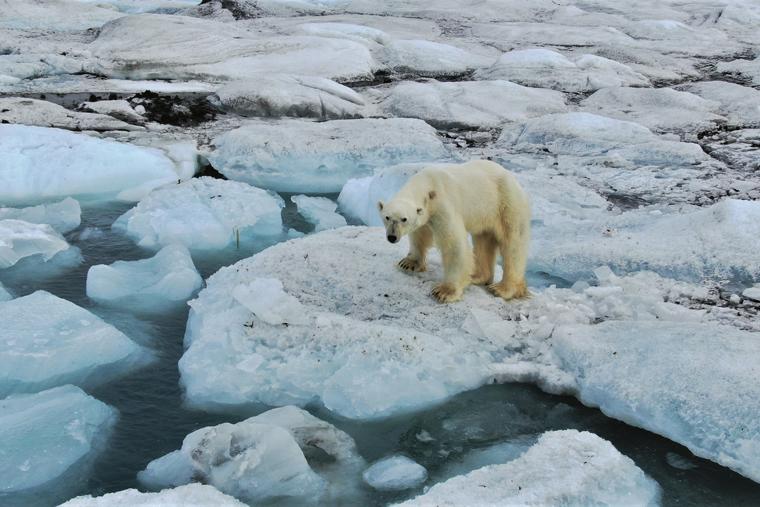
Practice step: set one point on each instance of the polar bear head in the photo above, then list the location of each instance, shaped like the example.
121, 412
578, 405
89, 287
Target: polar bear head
402, 216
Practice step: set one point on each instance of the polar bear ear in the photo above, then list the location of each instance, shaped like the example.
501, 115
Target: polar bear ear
419, 211
431, 194
380, 205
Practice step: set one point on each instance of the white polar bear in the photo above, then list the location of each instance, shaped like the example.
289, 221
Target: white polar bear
442, 204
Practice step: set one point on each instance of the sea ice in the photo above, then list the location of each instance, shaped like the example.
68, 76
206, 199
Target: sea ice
430, 59
564, 468
470, 104
25, 111
44, 163
549, 69
395, 473
740, 104
319, 211
270, 456
319, 157
63, 216
167, 277
280, 95
202, 214
4, 294
49, 441
190, 495
119, 109
48, 341
60, 15
20, 239
747, 69
699, 387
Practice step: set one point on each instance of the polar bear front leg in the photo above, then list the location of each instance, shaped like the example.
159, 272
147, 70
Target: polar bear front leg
420, 241
457, 263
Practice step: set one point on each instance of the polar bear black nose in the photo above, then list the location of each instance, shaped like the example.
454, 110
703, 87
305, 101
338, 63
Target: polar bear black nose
392, 238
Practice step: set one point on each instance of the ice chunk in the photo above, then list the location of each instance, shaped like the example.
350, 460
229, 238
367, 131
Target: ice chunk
319, 211
87, 84
364, 34
565, 467
305, 156
53, 15
288, 95
43, 163
202, 214
549, 69
660, 109
63, 216
32, 66
699, 387
431, 59
154, 46
49, 441
470, 104
696, 246
746, 69
19, 240
190, 495
48, 341
395, 473
741, 104
266, 299
168, 277
270, 456
119, 109
508, 36
752, 293
4, 294
41, 113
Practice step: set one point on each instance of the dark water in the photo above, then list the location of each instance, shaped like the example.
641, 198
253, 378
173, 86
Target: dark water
153, 421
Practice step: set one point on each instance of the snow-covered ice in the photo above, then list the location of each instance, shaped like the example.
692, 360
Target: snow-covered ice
53, 15
740, 104
25, 111
395, 473
266, 457
289, 95
549, 69
470, 104
49, 441
48, 341
190, 495
119, 109
202, 214
63, 216
167, 277
564, 468
752, 292
319, 211
319, 157
4, 294
431, 59
747, 69
698, 386
20, 240
44, 163
660, 109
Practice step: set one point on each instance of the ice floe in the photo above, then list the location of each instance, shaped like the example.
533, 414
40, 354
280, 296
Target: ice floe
20, 239
202, 214
431, 59
740, 104
395, 473
319, 157
61, 15
319, 211
49, 441
274, 455
470, 104
746, 69
63, 216
167, 277
41, 113
44, 163
190, 495
564, 467
289, 95
48, 341
549, 69
119, 109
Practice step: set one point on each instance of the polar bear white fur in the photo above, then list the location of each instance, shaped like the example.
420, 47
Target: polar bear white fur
442, 204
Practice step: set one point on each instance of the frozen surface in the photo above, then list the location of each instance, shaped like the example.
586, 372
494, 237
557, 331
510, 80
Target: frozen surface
698, 388
4, 294
264, 458
319, 211
740, 104
752, 292
20, 239
564, 468
63, 216
718, 242
395, 473
154, 46
470, 104
202, 214
48, 341
53, 15
549, 69
190, 495
41, 113
431, 59
747, 69
43, 163
119, 109
48, 442
305, 156
660, 109
280, 95
167, 277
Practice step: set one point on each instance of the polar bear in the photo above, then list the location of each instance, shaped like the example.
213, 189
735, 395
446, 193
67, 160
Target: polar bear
442, 204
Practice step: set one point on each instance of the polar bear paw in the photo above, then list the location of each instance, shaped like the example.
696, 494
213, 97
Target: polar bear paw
412, 264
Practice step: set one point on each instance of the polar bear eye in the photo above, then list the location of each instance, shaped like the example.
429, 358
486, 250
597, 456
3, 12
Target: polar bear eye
387, 218
403, 219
